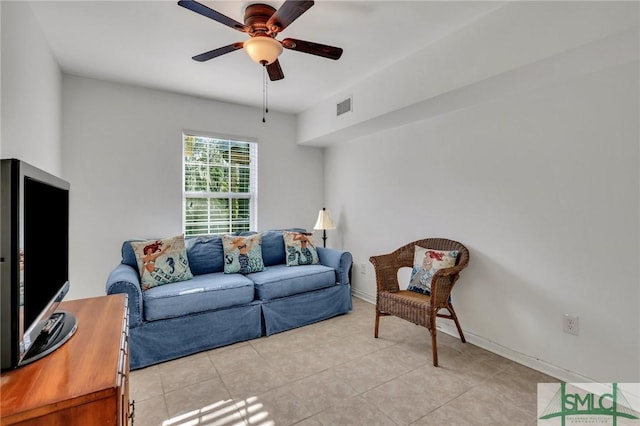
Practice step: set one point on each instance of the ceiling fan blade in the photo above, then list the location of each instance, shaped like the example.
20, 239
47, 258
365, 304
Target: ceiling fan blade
313, 48
275, 71
288, 12
210, 13
217, 52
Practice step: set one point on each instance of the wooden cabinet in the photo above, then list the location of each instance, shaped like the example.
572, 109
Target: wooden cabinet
83, 383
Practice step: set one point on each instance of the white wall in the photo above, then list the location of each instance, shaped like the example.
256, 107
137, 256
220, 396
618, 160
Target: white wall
539, 178
512, 36
122, 153
31, 92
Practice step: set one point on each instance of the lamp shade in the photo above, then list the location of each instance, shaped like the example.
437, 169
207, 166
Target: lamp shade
262, 49
324, 220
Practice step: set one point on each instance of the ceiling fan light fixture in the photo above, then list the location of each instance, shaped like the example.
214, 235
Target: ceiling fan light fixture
263, 49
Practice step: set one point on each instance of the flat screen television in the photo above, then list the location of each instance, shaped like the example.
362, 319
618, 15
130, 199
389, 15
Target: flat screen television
34, 259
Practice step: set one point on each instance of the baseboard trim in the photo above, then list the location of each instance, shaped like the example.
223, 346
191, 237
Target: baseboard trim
496, 348
519, 357
363, 296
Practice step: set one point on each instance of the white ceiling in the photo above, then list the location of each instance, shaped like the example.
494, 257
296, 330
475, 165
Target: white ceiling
150, 43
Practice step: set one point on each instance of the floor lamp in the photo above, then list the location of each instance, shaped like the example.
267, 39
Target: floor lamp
323, 223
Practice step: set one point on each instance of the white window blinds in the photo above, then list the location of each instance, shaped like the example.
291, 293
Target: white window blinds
220, 185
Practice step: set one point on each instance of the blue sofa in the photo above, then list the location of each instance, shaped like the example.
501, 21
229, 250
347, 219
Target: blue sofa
215, 309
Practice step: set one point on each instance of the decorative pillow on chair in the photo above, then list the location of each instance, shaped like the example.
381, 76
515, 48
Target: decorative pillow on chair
300, 249
425, 264
242, 254
162, 261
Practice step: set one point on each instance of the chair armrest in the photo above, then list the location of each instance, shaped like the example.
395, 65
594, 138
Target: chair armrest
445, 272
442, 283
339, 260
125, 279
386, 270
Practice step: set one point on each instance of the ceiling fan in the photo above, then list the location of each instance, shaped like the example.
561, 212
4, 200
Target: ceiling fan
263, 23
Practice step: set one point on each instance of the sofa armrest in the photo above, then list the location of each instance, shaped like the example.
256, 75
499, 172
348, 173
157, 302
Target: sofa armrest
125, 279
339, 260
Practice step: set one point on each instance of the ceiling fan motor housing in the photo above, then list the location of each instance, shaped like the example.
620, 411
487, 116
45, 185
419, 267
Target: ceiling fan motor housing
256, 17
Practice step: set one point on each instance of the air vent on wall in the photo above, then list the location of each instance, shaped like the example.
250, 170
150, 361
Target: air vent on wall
343, 107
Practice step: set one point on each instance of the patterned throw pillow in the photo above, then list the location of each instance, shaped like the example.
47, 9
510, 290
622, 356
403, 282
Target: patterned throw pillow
162, 261
425, 264
242, 254
300, 249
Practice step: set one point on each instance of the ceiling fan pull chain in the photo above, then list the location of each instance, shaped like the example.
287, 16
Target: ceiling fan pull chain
264, 92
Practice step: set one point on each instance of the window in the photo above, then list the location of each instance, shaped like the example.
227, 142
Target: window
220, 185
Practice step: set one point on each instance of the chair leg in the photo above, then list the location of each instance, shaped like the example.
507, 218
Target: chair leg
432, 331
435, 349
375, 332
455, 319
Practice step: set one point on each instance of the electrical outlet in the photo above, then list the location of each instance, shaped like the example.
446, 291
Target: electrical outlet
571, 324
363, 268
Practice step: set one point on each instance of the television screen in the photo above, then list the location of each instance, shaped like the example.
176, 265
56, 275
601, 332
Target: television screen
45, 245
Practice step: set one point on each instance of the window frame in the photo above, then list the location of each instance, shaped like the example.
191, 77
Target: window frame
251, 195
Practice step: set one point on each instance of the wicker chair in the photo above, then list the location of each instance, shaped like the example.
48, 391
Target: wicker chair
420, 309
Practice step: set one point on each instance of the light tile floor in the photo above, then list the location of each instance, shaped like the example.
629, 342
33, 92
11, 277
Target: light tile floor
335, 373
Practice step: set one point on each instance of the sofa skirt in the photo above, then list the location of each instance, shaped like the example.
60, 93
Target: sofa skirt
306, 308
158, 341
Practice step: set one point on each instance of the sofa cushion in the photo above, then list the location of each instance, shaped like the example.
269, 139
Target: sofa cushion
272, 248
205, 254
300, 249
162, 261
128, 255
242, 254
202, 293
280, 281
